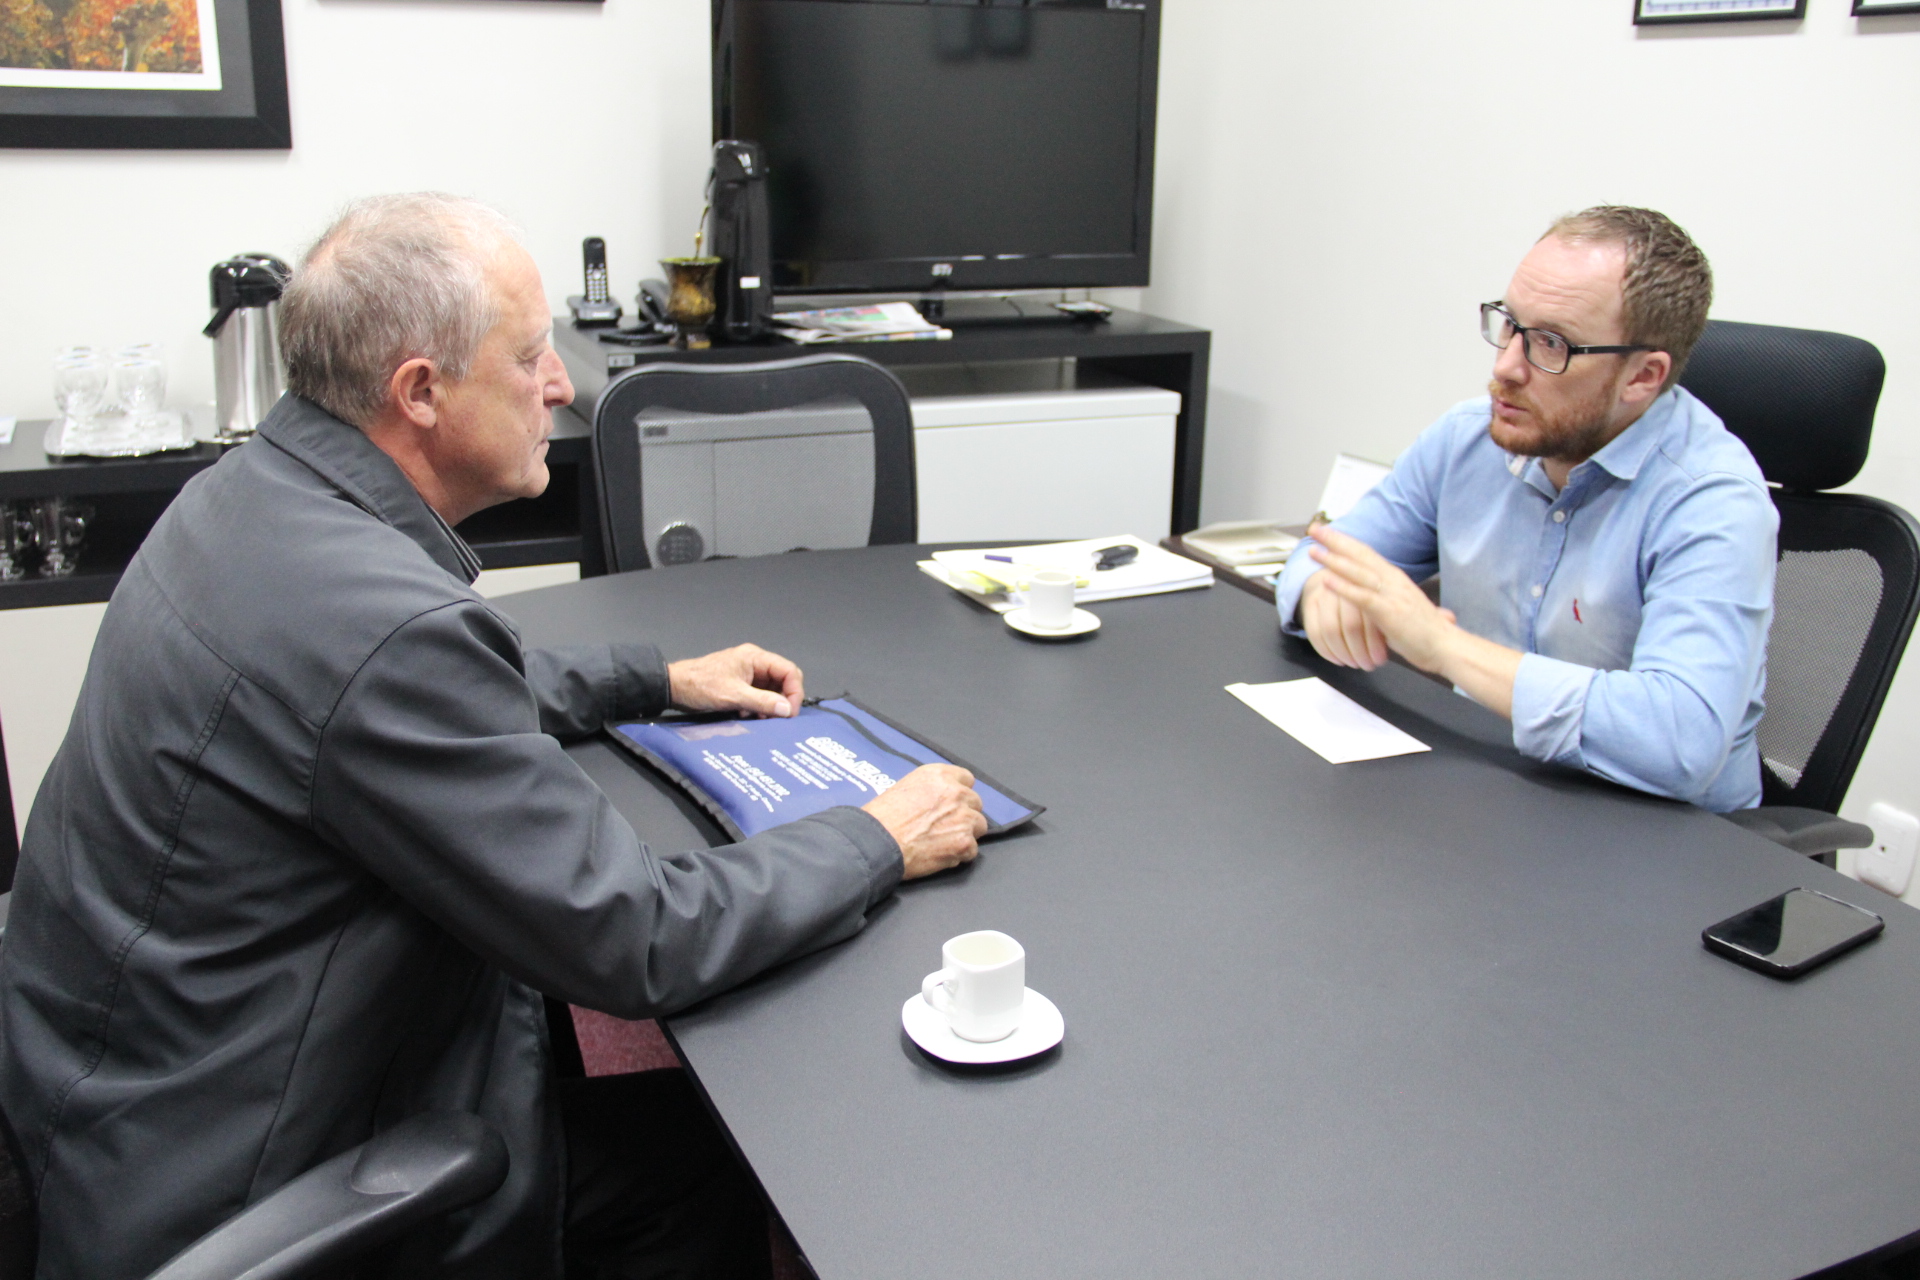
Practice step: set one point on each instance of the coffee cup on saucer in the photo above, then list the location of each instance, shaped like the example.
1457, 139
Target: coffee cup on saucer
977, 1010
982, 987
1048, 612
1050, 599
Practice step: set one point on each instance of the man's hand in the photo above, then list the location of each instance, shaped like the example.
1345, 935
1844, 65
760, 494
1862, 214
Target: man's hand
1339, 632
743, 678
933, 814
1365, 605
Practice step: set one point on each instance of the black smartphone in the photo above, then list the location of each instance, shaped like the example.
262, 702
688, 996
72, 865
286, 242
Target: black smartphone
1784, 937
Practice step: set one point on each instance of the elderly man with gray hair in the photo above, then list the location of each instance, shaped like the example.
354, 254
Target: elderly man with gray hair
311, 852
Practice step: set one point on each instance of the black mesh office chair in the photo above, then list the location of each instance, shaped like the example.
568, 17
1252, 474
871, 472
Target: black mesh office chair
9, 830
701, 460
427, 1165
1848, 583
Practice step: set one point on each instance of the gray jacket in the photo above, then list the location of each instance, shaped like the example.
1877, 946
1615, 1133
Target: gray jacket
311, 850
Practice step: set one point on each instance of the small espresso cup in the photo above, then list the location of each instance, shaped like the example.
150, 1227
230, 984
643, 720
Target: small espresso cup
983, 986
1050, 599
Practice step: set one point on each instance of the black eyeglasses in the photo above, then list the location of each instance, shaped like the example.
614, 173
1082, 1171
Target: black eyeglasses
1545, 350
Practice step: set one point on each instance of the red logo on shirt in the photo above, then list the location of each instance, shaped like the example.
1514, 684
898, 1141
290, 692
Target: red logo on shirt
1576, 612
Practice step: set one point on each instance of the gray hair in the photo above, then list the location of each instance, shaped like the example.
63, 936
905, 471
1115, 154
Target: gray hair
395, 278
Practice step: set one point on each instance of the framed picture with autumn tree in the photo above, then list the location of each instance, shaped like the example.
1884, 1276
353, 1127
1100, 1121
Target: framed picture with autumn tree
143, 73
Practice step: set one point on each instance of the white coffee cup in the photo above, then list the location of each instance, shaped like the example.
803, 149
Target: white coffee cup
983, 986
1050, 599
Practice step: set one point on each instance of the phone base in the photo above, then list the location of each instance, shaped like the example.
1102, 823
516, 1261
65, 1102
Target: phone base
593, 315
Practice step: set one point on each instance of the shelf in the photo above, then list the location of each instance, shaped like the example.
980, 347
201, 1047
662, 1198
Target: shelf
78, 588
27, 472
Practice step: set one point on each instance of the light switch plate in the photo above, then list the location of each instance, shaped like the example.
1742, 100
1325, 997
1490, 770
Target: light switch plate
1887, 864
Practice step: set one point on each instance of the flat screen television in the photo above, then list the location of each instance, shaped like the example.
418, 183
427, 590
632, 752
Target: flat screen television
913, 144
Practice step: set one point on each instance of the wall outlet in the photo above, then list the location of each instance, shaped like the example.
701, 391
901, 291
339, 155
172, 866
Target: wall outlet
1887, 864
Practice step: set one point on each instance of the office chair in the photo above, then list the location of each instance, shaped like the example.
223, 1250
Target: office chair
9, 831
1848, 583
427, 1165
695, 461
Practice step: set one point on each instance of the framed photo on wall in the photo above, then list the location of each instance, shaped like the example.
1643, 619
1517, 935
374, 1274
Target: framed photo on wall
143, 73
1872, 8
1647, 13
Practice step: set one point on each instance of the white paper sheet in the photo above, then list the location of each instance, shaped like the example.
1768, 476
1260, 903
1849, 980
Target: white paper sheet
1348, 482
1327, 721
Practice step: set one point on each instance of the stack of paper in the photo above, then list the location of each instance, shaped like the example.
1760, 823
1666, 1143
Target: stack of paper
997, 577
1252, 548
885, 322
1259, 548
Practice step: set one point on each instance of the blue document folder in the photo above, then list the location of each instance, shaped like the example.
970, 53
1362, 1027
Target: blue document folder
754, 774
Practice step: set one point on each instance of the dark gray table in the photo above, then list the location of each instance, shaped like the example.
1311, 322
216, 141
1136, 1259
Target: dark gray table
1445, 1015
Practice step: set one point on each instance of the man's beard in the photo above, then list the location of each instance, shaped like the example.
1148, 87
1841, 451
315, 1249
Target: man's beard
1571, 434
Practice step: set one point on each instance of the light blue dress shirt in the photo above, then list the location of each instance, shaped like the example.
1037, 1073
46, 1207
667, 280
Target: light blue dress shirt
1640, 594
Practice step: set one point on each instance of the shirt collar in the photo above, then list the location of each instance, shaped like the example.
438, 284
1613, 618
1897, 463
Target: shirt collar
1626, 453
342, 455
1621, 457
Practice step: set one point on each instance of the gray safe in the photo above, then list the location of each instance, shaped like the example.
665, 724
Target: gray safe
757, 483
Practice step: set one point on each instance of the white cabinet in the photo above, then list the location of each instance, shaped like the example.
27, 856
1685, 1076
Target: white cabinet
1038, 450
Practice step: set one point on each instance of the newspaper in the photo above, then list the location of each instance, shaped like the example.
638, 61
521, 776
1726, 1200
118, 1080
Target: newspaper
879, 322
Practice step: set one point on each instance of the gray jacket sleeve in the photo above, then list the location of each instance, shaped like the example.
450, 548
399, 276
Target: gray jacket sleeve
436, 772
582, 687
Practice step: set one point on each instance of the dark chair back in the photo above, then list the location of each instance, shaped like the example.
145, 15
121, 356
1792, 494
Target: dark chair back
9, 833
1801, 399
644, 402
1848, 583
424, 1167
19, 1224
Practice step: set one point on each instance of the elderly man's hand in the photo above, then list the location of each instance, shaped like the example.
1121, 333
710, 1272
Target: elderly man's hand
1361, 604
934, 815
743, 678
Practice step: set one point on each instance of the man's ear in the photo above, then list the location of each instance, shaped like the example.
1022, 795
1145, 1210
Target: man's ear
414, 390
1644, 383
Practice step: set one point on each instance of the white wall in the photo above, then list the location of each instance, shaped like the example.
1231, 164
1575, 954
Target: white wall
575, 118
1339, 185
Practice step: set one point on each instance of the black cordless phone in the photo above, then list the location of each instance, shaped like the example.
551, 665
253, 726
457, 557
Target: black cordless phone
594, 250
594, 309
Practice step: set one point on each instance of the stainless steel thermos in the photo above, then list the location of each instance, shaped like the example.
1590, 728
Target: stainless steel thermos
248, 374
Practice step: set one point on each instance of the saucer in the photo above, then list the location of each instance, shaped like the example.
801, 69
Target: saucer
1041, 1028
1081, 623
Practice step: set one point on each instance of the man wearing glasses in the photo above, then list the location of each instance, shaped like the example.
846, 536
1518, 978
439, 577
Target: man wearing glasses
1605, 546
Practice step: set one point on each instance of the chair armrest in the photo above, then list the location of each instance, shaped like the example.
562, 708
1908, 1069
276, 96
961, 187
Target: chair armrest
1807, 831
427, 1165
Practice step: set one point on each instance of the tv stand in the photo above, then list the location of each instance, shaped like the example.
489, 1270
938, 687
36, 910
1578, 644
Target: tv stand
980, 313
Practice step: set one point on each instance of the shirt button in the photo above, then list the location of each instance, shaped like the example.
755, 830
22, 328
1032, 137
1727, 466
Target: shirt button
1559, 517
1537, 591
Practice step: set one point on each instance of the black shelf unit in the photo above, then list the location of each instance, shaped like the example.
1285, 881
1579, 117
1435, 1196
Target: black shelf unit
128, 494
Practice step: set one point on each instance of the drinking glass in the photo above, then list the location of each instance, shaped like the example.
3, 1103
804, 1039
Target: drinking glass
16, 540
140, 385
58, 526
79, 385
